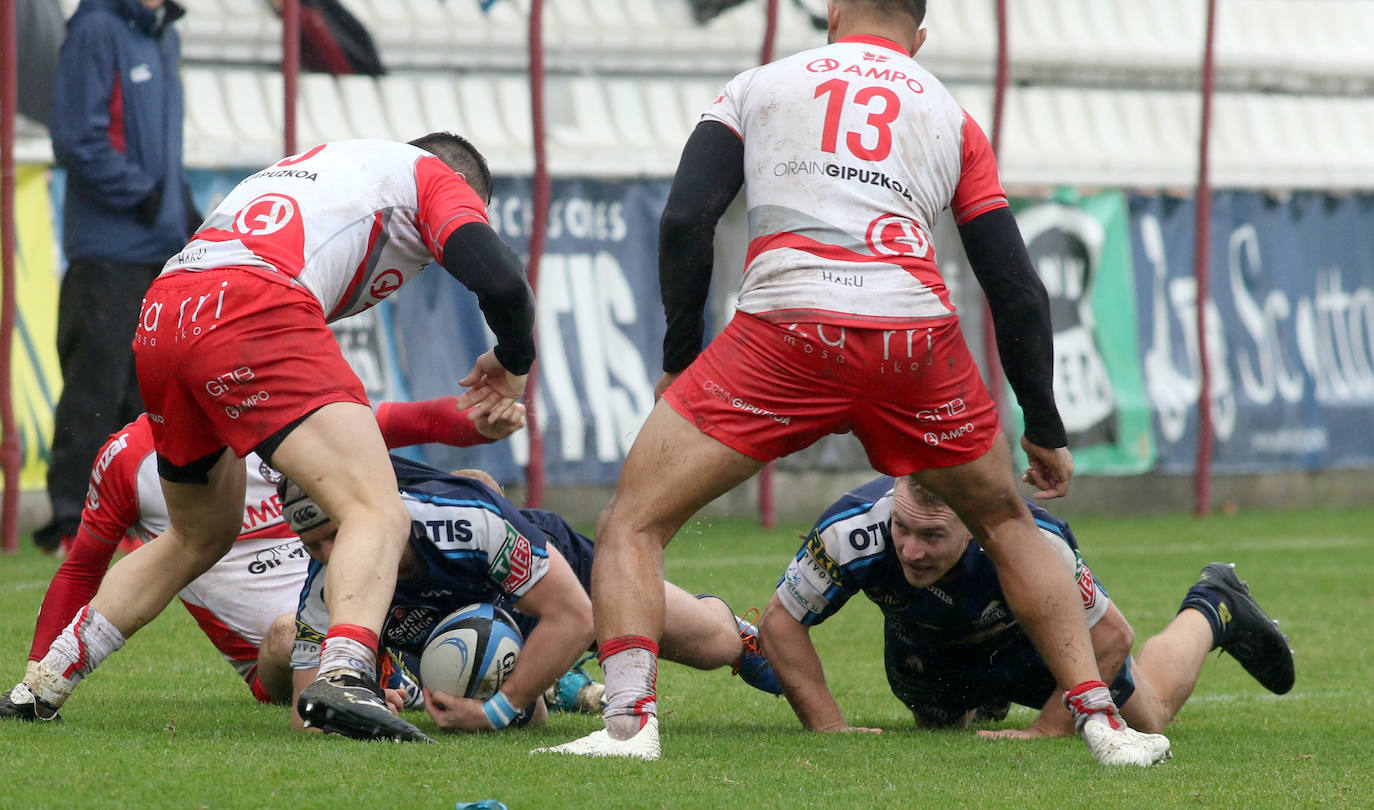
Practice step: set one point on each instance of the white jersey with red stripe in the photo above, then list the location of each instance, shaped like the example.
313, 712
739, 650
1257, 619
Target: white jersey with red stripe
351, 221
851, 152
259, 579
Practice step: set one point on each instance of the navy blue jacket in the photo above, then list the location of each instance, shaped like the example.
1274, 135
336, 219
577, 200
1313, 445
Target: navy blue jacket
116, 129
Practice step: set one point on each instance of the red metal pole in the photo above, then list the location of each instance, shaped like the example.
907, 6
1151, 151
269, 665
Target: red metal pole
543, 194
11, 457
768, 509
992, 361
290, 70
1202, 223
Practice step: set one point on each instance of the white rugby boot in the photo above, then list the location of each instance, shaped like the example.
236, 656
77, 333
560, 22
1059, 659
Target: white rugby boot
1105, 732
643, 745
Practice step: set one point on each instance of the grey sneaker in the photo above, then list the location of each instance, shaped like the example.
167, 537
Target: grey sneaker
348, 705
1257, 643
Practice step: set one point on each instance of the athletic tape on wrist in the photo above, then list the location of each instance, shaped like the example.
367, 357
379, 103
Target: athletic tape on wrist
498, 710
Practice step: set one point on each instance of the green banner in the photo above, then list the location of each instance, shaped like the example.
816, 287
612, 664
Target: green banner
1081, 248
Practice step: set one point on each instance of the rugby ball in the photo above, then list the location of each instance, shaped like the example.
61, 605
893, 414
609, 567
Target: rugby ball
471, 651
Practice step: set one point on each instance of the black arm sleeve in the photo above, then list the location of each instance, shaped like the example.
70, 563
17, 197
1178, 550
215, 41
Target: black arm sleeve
475, 255
1021, 315
709, 175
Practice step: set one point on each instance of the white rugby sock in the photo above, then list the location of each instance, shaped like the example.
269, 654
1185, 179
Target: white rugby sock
630, 664
75, 653
341, 653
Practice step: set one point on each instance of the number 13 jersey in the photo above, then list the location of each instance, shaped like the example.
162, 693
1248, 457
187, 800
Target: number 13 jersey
851, 151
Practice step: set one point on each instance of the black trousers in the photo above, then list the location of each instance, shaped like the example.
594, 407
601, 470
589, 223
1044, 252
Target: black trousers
97, 312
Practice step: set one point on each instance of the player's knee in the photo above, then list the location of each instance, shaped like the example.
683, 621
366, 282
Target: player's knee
280, 638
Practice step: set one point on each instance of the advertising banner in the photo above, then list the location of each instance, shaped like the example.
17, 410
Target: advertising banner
1290, 329
600, 328
35, 377
1080, 247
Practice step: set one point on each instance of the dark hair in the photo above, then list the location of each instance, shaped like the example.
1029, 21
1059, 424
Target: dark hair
915, 8
460, 155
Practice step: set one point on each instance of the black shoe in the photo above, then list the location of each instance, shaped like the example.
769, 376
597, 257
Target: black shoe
348, 705
1256, 641
18, 703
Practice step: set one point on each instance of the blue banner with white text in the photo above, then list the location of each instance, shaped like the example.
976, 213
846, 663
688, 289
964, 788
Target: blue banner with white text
1290, 329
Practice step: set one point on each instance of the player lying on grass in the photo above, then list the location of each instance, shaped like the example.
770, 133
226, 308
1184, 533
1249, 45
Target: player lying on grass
951, 646
469, 544
246, 603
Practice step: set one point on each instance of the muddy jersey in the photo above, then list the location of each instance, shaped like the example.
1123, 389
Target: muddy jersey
851, 152
850, 550
471, 545
259, 578
350, 221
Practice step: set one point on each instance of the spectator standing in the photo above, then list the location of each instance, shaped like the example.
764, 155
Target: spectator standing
116, 130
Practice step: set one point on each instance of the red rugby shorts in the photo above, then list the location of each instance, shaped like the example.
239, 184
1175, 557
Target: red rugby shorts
227, 358
912, 396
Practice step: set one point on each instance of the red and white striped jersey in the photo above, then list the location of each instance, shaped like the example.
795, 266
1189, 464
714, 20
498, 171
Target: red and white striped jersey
851, 152
351, 221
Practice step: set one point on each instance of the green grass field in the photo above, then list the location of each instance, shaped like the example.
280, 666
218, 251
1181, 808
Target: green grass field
165, 723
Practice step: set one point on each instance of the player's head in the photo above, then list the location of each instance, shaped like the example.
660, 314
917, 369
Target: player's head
928, 538
898, 20
481, 476
460, 155
306, 519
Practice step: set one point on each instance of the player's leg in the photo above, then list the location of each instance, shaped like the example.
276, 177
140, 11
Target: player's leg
671, 471
1166, 670
698, 632
273, 676
1041, 593
337, 455
1038, 585
205, 520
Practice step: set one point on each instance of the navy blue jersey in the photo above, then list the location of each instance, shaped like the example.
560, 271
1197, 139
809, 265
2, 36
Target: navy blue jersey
850, 550
471, 545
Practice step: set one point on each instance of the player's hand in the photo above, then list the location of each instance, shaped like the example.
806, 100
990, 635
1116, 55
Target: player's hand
453, 713
496, 429
1049, 471
490, 384
663, 383
395, 700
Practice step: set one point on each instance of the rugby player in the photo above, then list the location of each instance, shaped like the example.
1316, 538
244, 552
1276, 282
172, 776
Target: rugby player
469, 544
953, 651
847, 155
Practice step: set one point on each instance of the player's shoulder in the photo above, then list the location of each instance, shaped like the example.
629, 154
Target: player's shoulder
857, 526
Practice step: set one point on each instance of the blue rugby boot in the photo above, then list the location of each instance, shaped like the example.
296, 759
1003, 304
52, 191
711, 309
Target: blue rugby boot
753, 666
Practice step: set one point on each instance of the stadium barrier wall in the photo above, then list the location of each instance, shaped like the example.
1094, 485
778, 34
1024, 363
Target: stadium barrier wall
1291, 319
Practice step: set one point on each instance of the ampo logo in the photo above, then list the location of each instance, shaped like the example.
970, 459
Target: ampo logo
265, 215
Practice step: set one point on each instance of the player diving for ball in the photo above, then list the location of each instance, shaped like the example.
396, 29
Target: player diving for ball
469, 544
951, 646
246, 603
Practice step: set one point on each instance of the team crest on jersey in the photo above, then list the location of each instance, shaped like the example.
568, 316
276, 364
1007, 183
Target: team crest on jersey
514, 562
268, 474
265, 215
1087, 586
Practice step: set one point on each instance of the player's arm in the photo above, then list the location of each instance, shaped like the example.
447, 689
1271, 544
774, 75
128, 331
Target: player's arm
88, 74
441, 420
798, 667
477, 257
709, 174
1021, 316
564, 631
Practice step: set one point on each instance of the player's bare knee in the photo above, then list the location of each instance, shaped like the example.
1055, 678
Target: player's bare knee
281, 636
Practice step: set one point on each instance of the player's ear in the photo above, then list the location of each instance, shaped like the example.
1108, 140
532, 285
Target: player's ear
920, 40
